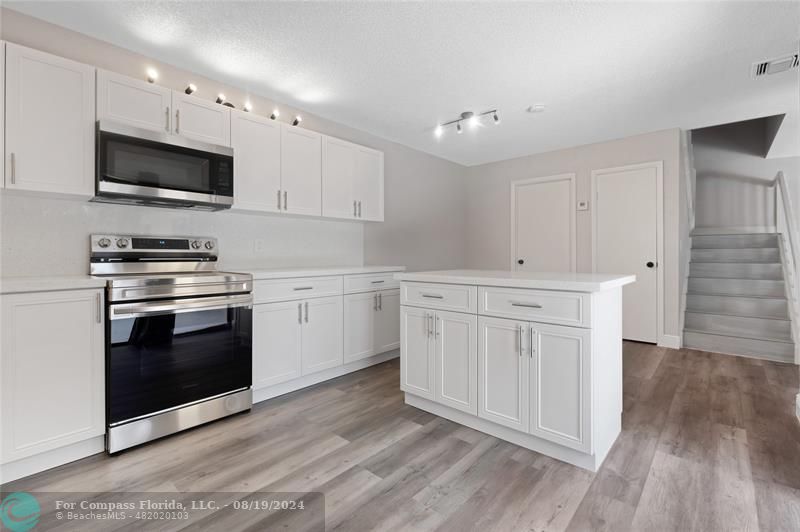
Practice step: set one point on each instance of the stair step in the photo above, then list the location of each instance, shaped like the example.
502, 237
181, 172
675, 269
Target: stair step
736, 255
742, 287
740, 326
738, 305
755, 240
754, 347
736, 270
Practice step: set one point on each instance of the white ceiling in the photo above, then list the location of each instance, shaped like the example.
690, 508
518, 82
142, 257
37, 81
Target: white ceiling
604, 70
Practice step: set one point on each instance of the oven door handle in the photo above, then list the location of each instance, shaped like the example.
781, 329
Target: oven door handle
177, 306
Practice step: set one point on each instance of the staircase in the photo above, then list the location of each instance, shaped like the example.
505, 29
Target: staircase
736, 299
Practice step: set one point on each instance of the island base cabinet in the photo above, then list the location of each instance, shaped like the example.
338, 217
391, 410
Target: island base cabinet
416, 351
456, 357
53, 371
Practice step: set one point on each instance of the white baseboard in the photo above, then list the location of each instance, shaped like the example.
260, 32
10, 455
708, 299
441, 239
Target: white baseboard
734, 230
41, 462
670, 340
309, 380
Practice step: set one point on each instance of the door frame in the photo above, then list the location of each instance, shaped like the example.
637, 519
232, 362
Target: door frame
659, 167
573, 219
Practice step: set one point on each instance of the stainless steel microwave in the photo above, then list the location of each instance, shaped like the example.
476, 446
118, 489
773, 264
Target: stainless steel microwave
144, 167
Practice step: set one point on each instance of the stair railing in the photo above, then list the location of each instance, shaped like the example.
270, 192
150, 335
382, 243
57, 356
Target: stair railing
787, 229
689, 177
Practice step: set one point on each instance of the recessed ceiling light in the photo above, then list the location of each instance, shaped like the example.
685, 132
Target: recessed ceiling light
536, 108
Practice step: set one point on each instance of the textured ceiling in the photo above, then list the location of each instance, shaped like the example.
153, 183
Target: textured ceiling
604, 70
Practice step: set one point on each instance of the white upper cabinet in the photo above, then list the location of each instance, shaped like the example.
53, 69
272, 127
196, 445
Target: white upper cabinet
50, 115
134, 102
201, 120
301, 165
256, 143
338, 178
368, 184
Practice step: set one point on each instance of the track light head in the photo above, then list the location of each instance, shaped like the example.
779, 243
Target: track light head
247, 106
459, 129
152, 75
439, 131
297, 120
275, 114
220, 98
496, 118
191, 88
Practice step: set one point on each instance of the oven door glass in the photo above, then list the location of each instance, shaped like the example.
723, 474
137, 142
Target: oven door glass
162, 361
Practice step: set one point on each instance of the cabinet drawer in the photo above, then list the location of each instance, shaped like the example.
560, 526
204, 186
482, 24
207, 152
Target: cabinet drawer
270, 291
453, 297
546, 306
367, 282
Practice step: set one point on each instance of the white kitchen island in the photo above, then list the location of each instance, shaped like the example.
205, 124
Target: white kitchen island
532, 358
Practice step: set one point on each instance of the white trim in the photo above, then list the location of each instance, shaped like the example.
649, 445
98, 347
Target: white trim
573, 216
659, 167
734, 230
49, 459
670, 340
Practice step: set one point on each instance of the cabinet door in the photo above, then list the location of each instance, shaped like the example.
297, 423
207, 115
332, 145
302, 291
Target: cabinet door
503, 372
133, 102
322, 334
301, 170
416, 352
49, 123
560, 396
360, 313
456, 358
338, 174
369, 183
201, 120
387, 321
53, 371
256, 143
277, 341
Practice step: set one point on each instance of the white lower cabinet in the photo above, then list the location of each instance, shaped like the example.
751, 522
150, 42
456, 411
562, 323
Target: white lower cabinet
53, 371
277, 343
455, 359
371, 324
387, 321
416, 351
322, 334
503, 372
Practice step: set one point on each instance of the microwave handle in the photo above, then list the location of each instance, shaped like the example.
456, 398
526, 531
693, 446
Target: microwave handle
158, 308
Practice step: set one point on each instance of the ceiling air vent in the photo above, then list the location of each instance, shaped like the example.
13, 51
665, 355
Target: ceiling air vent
774, 66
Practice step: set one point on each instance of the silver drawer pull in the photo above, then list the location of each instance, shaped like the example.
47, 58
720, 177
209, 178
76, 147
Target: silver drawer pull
377, 282
433, 296
303, 288
526, 305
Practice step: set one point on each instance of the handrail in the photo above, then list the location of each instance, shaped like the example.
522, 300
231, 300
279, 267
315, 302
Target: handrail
789, 258
788, 210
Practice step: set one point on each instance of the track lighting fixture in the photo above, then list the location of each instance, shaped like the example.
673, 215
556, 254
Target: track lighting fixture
247, 106
297, 120
275, 114
473, 119
191, 88
152, 75
220, 98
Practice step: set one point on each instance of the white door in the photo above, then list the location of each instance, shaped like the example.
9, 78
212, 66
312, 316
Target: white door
50, 110
338, 174
456, 359
359, 325
560, 394
201, 120
277, 341
543, 224
368, 184
256, 143
503, 372
387, 321
53, 371
132, 101
626, 240
416, 352
322, 334
301, 170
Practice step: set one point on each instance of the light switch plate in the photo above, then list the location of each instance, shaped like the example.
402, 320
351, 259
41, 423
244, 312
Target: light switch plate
583, 205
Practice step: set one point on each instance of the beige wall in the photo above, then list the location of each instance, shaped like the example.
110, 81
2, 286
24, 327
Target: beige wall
425, 197
489, 239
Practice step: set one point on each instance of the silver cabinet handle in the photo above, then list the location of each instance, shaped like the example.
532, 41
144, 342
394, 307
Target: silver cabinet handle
430, 324
375, 301
433, 296
526, 305
285, 205
531, 351
519, 339
300, 313
279, 199
436, 329
166, 116
359, 208
13, 168
177, 120
380, 301
99, 313
297, 288
306, 311
355, 209
377, 282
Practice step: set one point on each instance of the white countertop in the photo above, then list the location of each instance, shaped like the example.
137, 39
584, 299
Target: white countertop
14, 285
281, 273
574, 282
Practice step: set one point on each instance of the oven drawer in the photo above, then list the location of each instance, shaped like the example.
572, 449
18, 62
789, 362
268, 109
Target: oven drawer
545, 306
458, 298
273, 290
367, 282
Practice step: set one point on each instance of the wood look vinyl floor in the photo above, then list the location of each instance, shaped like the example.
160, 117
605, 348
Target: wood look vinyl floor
709, 442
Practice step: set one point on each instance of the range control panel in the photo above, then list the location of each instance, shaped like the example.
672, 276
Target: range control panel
152, 244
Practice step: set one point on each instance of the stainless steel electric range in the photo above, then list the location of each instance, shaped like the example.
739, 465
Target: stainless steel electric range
178, 336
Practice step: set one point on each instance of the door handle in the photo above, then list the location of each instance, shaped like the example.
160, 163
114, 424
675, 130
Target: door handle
359, 208
430, 324
177, 120
436, 330
279, 199
375, 301
526, 305
300, 313
285, 195
520, 261
650, 264
166, 115
306, 311
519, 340
13, 168
433, 296
380, 301
532, 348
